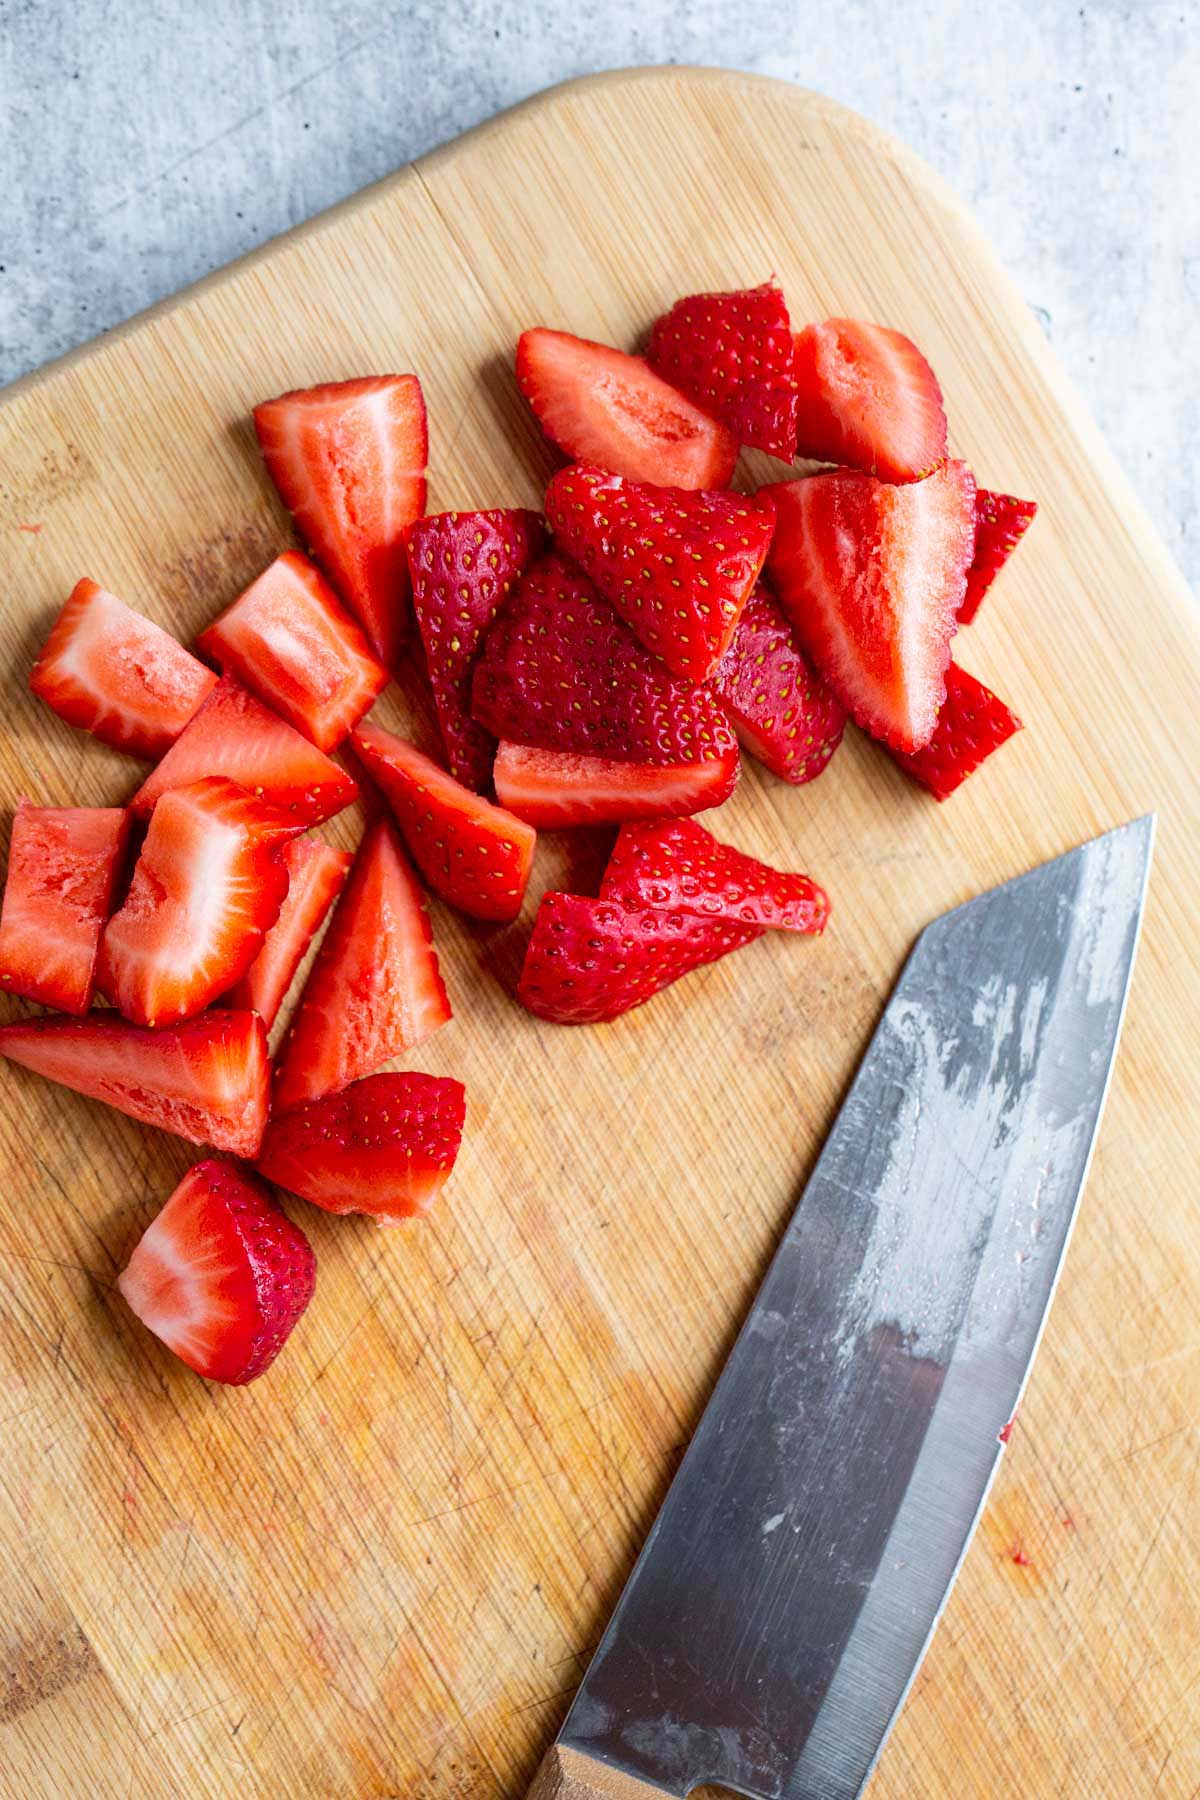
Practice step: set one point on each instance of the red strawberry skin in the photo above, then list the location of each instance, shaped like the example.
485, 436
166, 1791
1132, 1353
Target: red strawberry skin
64, 863
783, 712
868, 397
677, 566
475, 855
1001, 521
598, 405
561, 671
972, 724
733, 355
112, 672
383, 1146
463, 567
315, 872
235, 735
221, 1275
556, 788
288, 640
872, 576
349, 461
677, 866
206, 1080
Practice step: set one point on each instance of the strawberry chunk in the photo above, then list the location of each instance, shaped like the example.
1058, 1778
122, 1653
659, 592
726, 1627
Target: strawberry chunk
289, 641
475, 855
315, 874
868, 397
112, 672
555, 788
375, 989
783, 712
598, 405
235, 735
592, 960
561, 671
64, 863
206, 889
383, 1146
872, 577
349, 461
1001, 521
733, 355
677, 566
972, 724
678, 866
463, 567
221, 1275
206, 1080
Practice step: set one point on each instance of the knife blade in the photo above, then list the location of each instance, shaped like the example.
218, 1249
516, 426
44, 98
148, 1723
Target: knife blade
798, 1566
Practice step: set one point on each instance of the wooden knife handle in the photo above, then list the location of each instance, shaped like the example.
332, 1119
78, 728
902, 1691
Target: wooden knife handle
566, 1775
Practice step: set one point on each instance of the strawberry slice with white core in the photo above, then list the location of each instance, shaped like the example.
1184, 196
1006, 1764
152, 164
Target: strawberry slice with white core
315, 873
556, 788
868, 397
64, 863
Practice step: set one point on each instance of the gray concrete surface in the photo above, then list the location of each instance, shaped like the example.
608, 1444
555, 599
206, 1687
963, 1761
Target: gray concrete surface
144, 142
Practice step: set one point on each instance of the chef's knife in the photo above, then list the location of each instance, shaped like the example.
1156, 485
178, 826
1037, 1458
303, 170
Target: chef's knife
793, 1578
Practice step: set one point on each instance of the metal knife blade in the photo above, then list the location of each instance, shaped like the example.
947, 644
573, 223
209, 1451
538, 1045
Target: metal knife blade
794, 1576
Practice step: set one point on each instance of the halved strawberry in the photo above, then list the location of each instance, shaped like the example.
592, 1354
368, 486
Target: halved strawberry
315, 873
556, 788
64, 863
206, 1080
383, 1146
474, 854
601, 406
733, 355
349, 461
221, 1275
375, 989
206, 889
869, 398
676, 865
872, 577
677, 566
463, 566
1001, 521
289, 641
972, 723
782, 711
561, 671
591, 960
116, 674
235, 735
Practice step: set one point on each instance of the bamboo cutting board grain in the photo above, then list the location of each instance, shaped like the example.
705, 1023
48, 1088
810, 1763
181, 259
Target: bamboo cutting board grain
380, 1571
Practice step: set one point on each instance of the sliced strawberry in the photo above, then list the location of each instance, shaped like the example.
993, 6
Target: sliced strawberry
972, 723
289, 641
349, 462
64, 863
733, 355
474, 854
375, 989
221, 1275
1001, 521
599, 405
315, 873
677, 566
206, 1080
556, 788
112, 672
383, 1146
591, 960
872, 577
561, 671
868, 398
463, 566
235, 735
783, 712
676, 865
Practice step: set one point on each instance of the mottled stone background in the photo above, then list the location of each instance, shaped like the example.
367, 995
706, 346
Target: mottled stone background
145, 143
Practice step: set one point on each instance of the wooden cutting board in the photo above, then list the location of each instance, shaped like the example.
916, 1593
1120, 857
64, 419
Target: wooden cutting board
381, 1570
